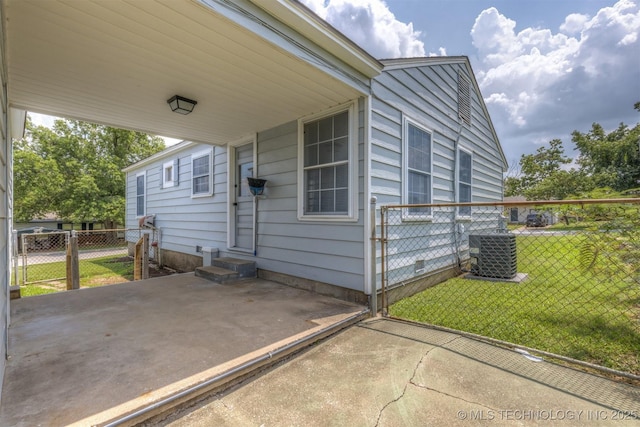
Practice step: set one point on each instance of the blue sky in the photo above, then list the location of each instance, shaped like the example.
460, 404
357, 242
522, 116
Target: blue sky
545, 67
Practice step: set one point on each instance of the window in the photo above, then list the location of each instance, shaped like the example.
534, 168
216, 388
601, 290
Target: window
326, 151
418, 170
202, 174
464, 182
169, 174
464, 99
140, 192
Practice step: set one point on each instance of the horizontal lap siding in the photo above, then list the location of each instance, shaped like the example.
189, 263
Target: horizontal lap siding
6, 199
185, 222
330, 252
428, 96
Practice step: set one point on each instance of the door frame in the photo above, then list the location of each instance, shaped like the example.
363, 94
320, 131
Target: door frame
231, 188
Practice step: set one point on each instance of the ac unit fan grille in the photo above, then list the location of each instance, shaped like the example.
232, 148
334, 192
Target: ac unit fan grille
493, 255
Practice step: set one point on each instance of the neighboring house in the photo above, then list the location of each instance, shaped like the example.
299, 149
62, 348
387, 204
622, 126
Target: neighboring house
423, 136
518, 214
51, 221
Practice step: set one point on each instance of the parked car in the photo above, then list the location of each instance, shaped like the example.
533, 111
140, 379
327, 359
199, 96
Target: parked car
536, 220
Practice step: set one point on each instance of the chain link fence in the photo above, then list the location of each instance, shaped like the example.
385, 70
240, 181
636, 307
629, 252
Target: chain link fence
562, 278
104, 257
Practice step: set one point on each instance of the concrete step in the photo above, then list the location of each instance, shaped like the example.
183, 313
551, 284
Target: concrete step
217, 274
243, 267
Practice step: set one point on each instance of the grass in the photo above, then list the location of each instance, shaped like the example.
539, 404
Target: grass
93, 272
562, 308
33, 290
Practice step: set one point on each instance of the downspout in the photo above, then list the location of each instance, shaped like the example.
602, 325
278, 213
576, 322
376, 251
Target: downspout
456, 226
255, 225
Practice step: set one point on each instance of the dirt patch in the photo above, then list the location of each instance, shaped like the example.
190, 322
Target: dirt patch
154, 269
157, 271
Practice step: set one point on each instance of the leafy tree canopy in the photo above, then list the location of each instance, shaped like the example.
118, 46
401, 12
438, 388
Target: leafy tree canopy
606, 160
74, 170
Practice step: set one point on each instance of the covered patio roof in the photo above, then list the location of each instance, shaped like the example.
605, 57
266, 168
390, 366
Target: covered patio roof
249, 65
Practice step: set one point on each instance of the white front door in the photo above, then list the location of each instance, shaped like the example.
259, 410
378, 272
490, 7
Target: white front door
242, 202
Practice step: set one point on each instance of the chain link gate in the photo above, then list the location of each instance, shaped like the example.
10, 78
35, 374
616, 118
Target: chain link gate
558, 277
38, 250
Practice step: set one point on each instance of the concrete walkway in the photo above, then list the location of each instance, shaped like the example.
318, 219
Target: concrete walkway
91, 356
389, 373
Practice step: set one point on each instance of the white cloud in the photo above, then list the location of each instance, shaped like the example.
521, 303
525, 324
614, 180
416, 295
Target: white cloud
371, 25
539, 84
574, 23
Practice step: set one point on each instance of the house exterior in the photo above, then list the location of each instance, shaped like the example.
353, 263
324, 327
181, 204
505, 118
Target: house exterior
312, 223
264, 74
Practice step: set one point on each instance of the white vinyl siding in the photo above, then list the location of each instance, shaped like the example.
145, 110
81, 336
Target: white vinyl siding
140, 194
427, 93
187, 222
465, 168
417, 149
327, 162
6, 204
202, 174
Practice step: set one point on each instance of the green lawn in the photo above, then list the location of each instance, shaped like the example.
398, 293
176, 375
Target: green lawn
93, 272
562, 308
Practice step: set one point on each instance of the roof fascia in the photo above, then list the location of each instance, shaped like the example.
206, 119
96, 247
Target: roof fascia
167, 152
299, 17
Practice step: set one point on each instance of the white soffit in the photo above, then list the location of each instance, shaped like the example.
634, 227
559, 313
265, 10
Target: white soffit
117, 62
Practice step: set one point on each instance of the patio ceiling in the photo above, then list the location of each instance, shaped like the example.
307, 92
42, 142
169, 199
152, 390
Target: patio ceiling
117, 62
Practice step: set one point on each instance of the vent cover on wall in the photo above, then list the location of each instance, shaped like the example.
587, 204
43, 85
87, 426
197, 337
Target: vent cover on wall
493, 255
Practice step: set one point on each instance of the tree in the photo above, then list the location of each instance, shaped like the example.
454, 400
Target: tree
541, 176
611, 159
74, 170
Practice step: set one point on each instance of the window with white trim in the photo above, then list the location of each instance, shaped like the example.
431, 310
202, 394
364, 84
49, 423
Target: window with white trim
465, 167
170, 174
202, 174
417, 144
140, 194
326, 163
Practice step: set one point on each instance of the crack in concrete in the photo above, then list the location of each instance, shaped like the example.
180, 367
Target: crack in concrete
440, 391
410, 382
413, 383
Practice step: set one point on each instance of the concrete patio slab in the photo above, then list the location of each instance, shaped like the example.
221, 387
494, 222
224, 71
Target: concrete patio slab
383, 372
90, 356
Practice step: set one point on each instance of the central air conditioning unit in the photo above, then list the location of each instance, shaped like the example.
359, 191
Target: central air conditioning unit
493, 255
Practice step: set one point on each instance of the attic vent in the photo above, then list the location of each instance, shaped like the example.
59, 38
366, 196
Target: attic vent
464, 99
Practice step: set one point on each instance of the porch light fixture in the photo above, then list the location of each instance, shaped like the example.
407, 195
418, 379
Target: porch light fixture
181, 105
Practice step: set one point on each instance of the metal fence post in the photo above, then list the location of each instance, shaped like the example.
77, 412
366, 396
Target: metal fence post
372, 279
24, 259
14, 254
383, 260
73, 264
